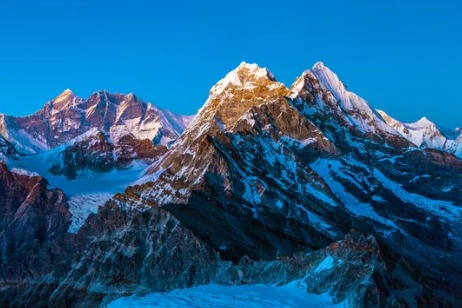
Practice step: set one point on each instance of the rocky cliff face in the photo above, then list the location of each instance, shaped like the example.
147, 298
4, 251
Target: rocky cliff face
33, 221
7, 150
266, 185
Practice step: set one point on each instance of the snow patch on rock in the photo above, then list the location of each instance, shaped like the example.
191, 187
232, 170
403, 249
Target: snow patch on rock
81, 206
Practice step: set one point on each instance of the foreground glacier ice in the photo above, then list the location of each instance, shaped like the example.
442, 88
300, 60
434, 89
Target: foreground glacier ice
259, 296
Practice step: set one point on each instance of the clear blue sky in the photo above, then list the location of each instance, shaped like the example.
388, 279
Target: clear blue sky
402, 56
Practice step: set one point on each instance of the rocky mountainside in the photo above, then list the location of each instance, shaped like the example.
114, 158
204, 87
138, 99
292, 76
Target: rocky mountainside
7, 149
267, 184
33, 221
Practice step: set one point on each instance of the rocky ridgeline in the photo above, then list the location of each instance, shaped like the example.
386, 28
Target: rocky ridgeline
104, 132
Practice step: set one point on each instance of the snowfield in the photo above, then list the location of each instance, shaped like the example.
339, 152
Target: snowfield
81, 206
255, 296
87, 192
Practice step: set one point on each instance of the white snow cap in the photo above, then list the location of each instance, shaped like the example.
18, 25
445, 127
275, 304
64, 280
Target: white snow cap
350, 102
66, 93
423, 133
234, 79
63, 100
424, 121
253, 66
319, 65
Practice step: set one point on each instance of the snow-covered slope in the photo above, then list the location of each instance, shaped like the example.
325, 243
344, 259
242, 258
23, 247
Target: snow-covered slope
258, 296
456, 147
422, 133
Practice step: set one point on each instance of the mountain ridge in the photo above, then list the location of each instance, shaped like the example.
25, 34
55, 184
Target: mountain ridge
425, 133
68, 116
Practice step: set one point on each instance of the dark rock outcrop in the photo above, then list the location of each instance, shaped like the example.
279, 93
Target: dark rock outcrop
7, 149
96, 152
33, 221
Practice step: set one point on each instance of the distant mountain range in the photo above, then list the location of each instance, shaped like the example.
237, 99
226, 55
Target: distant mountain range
112, 196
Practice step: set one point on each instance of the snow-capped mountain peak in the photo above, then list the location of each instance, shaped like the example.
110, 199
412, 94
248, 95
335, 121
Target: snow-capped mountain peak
426, 134
67, 92
330, 80
423, 133
246, 86
64, 96
66, 99
319, 65
68, 116
326, 94
246, 75
424, 121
